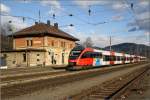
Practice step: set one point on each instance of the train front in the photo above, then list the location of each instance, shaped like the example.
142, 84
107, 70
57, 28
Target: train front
73, 57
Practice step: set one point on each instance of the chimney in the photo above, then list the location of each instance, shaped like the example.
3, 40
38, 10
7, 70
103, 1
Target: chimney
36, 23
56, 25
48, 22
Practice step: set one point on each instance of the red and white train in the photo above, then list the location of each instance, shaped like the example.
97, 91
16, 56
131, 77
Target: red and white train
81, 58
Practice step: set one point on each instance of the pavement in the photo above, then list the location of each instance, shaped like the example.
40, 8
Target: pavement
22, 67
22, 70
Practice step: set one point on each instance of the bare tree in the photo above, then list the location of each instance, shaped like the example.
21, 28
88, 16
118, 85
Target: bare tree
5, 41
88, 42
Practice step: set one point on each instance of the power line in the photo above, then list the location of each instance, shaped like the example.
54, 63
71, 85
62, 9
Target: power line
132, 11
23, 17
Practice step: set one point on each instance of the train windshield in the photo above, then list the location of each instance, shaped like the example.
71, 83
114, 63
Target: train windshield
75, 53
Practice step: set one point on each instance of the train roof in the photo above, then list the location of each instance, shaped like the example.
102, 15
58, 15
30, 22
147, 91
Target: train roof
106, 52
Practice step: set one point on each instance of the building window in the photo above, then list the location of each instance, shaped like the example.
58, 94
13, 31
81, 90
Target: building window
29, 42
5, 55
64, 44
38, 59
24, 57
61, 44
38, 54
56, 43
14, 62
52, 43
71, 46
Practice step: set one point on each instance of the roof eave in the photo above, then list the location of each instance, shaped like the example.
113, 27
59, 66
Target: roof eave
40, 35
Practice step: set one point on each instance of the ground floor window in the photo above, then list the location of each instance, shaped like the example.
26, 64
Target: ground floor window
24, 58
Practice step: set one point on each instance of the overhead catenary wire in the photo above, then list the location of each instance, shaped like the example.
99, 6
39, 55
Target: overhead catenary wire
132, 11
23, 17
137, 21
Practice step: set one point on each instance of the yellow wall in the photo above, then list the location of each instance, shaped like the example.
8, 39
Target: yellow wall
54, 47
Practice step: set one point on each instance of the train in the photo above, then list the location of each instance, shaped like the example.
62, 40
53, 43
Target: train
84, 58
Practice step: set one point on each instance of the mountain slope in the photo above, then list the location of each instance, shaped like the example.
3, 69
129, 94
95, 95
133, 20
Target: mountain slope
131, 48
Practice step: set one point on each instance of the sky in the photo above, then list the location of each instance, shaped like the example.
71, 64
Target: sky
123, 20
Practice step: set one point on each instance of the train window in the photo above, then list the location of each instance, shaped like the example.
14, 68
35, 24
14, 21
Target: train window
113, 58
86, 55
131, 58
117, 58
106, 58
127, 58
96, 55
74, 54
123, 58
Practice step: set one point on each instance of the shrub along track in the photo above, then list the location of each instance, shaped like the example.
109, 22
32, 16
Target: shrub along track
21, 88
113, 89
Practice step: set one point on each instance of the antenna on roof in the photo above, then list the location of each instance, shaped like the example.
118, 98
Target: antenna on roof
39, 16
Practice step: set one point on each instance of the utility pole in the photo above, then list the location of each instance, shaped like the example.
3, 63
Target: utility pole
110, 43
39, 16
149, 38
148, 54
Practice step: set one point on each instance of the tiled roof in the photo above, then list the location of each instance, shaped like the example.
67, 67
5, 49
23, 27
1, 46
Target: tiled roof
44, 29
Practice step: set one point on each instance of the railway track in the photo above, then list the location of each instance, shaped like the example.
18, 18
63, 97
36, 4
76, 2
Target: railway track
112, 89
27, 76
7, 72
25, 86
13, 79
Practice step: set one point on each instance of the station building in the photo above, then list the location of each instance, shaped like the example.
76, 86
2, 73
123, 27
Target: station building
41, 44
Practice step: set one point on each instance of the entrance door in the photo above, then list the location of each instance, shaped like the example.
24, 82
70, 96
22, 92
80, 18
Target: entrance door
52, 58
62, 58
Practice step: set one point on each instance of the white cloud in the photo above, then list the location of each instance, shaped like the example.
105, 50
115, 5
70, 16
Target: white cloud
16, 24
119, 6
86, 3
55, 6
144, 15
143, 3
142, 20
147, 34
116, 5
117, 18
69, 29
54, 3
23, 1
102, 40
4, 8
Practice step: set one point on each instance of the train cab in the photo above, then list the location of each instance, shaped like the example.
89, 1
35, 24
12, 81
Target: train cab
74, 55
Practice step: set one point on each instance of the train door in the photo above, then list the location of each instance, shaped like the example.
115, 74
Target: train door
112, 58
97, 58
86, 59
